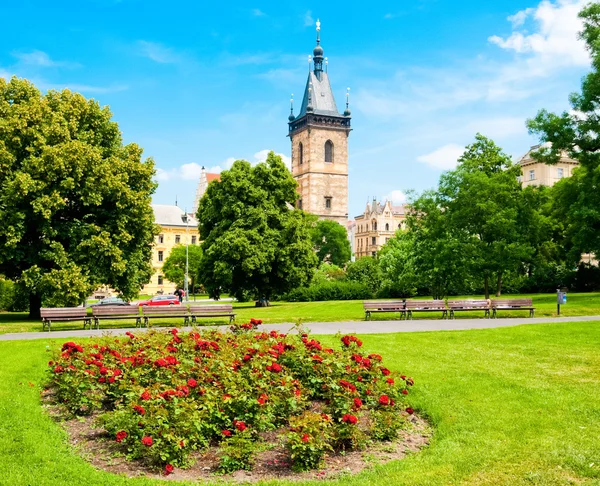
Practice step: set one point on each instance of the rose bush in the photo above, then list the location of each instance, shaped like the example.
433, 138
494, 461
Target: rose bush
162, 396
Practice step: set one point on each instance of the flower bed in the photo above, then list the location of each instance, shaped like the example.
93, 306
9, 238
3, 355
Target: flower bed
164, 396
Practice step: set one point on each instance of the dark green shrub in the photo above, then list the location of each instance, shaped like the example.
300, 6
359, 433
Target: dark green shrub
13, 298
365, 271
336, 290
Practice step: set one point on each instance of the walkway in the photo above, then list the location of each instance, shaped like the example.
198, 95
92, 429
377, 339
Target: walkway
353, 327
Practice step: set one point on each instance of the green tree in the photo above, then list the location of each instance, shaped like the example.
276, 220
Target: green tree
75, 202
255, 243
577, 133
366, 271
174, 266
330, 241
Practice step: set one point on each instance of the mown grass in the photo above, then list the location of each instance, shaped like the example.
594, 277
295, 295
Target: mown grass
587, 304
510, 406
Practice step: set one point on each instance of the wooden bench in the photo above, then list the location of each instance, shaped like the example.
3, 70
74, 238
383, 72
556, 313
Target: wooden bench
64, 314
167, 311
469, 305
112, 312
383, 306
512, 305
425, 306
212, 310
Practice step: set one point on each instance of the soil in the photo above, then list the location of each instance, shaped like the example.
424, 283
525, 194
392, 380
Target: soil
96, 447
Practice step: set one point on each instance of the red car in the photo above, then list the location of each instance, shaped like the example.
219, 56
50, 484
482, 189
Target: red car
161, 300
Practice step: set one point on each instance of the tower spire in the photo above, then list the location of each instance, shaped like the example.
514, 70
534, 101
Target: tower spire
347, 110
291, 117
318, 52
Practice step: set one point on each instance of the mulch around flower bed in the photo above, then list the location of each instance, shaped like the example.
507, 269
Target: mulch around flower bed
100, 450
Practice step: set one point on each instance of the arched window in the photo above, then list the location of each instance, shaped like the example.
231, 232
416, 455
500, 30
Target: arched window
387, 227
329, 151
300, 153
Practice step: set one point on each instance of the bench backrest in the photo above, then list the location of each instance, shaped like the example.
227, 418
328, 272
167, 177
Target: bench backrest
211, 308
58, 312
426, 304
385, 304
115, 310
512, 303
164, 310
469, 304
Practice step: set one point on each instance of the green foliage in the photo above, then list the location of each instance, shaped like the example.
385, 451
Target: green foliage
75, 202
328, 272
255, 242
174, 266
397, 264
238, 452
309, 440
13, 298
335, 290
330, 240
365, 271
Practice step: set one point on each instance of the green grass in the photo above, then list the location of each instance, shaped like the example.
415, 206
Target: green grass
587, 304
510, 406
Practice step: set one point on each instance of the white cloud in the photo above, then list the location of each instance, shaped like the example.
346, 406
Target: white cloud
258, 12
40, 58
157, 52
308, 19
554, 43
444, 158
262, 156
396, 196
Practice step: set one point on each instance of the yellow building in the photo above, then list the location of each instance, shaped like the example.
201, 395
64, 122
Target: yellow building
174, 231
376, 226
540, 174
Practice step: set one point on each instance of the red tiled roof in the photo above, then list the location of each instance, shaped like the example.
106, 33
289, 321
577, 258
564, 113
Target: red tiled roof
212, 177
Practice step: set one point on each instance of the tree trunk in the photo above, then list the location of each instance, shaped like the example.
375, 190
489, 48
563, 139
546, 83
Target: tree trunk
35, 302
499, 287
486, 287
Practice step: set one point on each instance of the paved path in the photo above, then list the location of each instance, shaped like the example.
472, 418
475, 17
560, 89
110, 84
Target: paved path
357, 327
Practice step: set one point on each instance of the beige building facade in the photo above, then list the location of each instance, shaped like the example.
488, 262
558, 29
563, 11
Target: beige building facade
376, 226
173, 231
319, 138
540, 174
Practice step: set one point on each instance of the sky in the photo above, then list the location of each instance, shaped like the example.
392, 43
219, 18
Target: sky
205, 83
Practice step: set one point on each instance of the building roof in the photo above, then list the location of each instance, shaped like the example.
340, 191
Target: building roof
212, 177
167, 215
528, 159
321, 96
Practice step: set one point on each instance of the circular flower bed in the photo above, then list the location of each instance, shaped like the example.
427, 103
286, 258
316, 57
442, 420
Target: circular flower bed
164, 396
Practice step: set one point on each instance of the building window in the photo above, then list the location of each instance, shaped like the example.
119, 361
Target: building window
193, 239
160, 280
300, 203
398, 226
327, 202
300, 153
160, 256
560, 172
329, 151
375, 226
161, 238
387, 226
373, 253
532, 175
177, 239
373, 240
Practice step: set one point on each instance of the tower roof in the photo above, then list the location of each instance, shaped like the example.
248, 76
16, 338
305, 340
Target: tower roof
320, 97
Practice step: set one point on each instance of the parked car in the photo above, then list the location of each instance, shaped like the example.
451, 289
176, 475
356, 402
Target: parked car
110, 301
161, 300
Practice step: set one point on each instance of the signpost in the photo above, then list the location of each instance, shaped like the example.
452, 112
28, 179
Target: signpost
561, 299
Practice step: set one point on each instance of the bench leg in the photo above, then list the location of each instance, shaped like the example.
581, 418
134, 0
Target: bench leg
367, 316
231, 319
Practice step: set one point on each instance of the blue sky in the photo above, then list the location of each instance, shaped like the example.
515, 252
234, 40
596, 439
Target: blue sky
204, 83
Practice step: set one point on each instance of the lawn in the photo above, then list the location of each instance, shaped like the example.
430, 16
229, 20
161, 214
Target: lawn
587, 304
510, 406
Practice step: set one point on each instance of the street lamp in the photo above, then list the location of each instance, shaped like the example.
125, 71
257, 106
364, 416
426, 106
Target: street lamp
185, 219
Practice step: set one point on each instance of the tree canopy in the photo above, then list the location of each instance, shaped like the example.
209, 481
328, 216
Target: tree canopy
330, 241
255, 243
75, 202
174, 266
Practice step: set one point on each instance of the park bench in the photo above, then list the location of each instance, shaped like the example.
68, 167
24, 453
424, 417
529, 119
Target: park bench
512, 305
166, 311
469, 305
113, 312
425, 306
64, 314
383, 306
211, 310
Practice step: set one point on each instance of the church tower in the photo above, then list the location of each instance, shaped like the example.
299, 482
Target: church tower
319, 136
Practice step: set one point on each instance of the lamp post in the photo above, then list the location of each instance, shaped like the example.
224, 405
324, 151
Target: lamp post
185, 279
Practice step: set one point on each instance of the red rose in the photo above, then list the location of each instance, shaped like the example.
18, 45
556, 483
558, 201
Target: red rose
59, 369
168, 469
358, 403
147, 441
351, 419
390, 381
192, 383
241, 426
305, 438
409, 410
384, 400
145, 395
139, 409
404, 392
121, 435
385, 371
226, 433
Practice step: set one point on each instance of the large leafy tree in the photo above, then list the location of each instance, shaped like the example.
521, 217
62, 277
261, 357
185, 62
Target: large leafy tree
75, 202
174, 266
330, 241
255, 243
577, 133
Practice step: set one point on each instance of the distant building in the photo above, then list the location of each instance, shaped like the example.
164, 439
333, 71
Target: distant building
376, 226
540, 174
205, 179
173, 231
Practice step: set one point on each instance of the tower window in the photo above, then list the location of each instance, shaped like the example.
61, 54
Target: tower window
387, 226
373, 240
329, 151
300, 153
327, 202
300, 203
